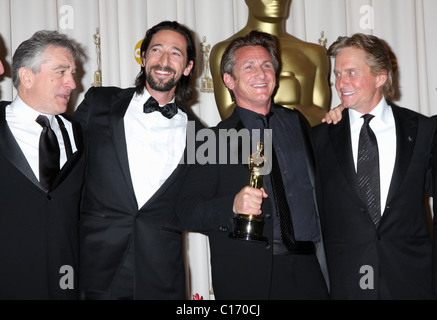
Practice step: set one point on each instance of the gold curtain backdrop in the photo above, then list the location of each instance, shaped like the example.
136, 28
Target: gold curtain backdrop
109, 32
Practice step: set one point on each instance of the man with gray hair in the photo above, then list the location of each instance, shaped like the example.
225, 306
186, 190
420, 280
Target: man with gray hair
375, 166
42, 171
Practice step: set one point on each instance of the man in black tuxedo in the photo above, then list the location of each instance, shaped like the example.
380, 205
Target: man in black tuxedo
40, 206
130, 236
393, 254
270, 268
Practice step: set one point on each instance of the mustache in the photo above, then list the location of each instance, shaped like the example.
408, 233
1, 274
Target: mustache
161, 68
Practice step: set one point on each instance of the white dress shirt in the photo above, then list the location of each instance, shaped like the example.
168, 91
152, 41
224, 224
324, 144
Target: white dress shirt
155, 146
21, 120
383, 125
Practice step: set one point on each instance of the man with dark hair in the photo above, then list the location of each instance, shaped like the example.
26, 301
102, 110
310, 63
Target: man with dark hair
42, 171
131, 240
375, 167
280, 259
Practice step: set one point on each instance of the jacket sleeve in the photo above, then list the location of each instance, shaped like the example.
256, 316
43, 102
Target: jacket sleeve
82, 113
201, 206
433, 166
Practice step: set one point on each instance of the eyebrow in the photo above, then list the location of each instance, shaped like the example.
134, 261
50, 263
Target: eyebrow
254, 62
64, 67
345, 70
173, 47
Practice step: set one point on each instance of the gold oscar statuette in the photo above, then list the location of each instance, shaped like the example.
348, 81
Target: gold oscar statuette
249, 226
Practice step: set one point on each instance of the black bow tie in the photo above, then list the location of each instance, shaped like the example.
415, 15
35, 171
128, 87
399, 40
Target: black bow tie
168, 111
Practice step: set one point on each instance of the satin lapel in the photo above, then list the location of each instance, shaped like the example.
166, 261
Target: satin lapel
340, 135
12, 151
168, 182
73, 159
233, 122
240, 126
119, 105
179, 168
406, 133
308, 147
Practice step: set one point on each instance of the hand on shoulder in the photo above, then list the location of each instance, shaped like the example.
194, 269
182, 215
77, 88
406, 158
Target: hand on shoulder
334, 115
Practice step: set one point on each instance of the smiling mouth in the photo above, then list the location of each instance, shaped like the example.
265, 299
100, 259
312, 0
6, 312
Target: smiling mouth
163, 73
259, 85
347, 94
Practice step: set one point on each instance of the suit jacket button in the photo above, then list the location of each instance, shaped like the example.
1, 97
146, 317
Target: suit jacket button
268, 246
49, 197
268, 216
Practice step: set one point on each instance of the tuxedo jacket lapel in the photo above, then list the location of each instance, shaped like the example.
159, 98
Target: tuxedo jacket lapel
233, 122
73, 159
12, 151
175, 175
238, 125
310, 157
342, 145
119, 105
168, 182
406, 133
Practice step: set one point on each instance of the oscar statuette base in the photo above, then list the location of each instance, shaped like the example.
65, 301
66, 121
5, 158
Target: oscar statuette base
248, 227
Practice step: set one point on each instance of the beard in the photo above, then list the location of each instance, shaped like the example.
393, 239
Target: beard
159, 85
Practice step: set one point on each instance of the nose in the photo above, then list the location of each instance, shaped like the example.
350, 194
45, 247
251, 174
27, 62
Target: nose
2, 69
164, 59
70, 82
341, 82
260, 72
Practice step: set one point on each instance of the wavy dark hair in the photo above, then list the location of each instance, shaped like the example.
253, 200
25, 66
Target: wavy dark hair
183, 92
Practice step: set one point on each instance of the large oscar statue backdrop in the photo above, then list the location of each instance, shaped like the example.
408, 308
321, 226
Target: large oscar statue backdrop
304, 76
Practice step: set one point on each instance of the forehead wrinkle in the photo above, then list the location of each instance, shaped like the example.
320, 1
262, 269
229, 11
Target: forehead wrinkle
62, 67
162, 45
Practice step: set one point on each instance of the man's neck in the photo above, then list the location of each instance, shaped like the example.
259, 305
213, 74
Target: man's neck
258, 109
163, 97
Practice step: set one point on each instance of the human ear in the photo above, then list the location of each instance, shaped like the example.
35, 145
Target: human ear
229, 81
27, 77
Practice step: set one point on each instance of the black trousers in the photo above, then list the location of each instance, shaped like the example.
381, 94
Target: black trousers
297, 277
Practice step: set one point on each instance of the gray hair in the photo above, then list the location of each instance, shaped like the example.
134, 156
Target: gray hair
377, 56
29, 52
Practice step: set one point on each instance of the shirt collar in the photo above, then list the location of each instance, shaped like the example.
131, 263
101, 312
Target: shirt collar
381, 113
141, 98
251, 119
27, 114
